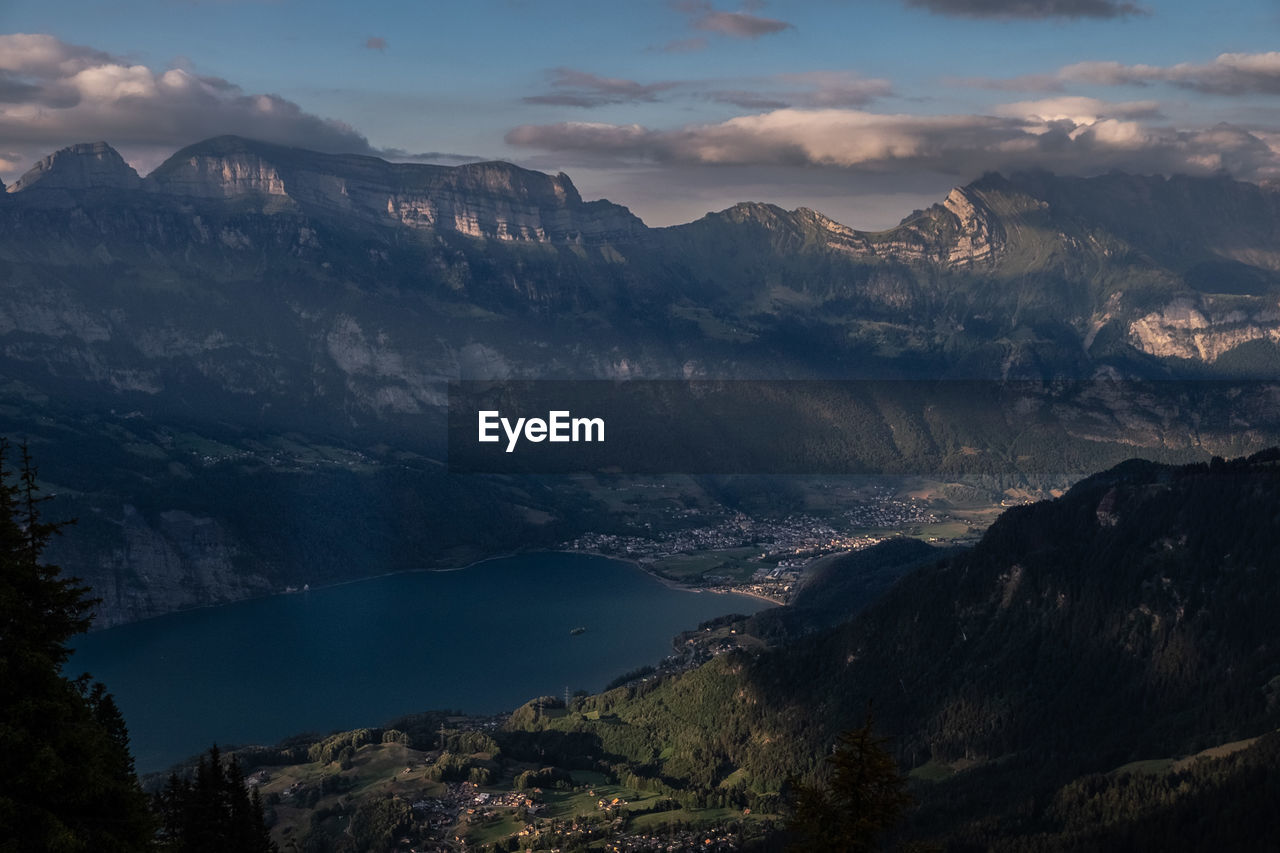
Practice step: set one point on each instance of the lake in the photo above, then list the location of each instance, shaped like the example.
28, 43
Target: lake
482, 639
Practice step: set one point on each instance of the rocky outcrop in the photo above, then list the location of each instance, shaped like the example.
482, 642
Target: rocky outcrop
92, 165
1191, 329
979, 234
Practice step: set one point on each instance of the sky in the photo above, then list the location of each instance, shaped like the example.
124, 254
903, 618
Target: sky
861, 109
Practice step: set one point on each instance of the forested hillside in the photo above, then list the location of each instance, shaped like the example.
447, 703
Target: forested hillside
1133, 618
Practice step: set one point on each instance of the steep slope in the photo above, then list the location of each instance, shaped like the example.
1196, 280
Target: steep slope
1132, 618
86, 166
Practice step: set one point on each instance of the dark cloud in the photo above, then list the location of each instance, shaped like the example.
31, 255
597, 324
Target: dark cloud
375, 43
748, 100
15, 90
814, 89
1030, 8
1227, 74
582, 89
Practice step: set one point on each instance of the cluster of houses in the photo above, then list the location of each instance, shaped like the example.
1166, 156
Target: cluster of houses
787, 543
676, 841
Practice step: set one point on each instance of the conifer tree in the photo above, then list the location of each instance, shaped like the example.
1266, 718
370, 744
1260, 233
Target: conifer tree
865, 797
68, 782
214, 811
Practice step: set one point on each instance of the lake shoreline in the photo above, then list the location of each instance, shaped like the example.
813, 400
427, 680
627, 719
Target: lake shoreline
670, 583
336, 659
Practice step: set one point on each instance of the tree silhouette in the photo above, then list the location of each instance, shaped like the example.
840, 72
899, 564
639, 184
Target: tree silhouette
864, 796
212, 812
68, 783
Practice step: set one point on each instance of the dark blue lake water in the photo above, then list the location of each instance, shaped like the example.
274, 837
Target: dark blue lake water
483, 639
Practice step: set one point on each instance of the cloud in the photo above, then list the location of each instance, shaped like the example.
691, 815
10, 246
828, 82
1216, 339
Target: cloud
962, 145
749, 99
375, 43
53, 94
743, 24
811, 89
1228, 74
1030, 8
573, 88
740, 25
45, 56
837, 88
582, 89
1078, 110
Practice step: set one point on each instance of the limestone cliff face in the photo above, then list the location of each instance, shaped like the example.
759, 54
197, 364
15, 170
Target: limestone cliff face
961, 231
85, 166
979, 234
488, 200
199, 175
1194, 329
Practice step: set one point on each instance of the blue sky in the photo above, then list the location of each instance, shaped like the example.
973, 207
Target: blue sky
863, 109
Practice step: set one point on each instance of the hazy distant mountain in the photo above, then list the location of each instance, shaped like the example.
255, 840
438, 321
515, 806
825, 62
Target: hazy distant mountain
254, 320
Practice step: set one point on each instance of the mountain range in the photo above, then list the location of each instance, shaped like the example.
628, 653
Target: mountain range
214, 361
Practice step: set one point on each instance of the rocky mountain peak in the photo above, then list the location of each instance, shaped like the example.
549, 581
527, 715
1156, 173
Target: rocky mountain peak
493, 200
89, 165
980, 233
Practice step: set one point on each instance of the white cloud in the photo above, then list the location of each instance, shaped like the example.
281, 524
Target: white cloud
54, 94
45, 56
1078, 110
962, 145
